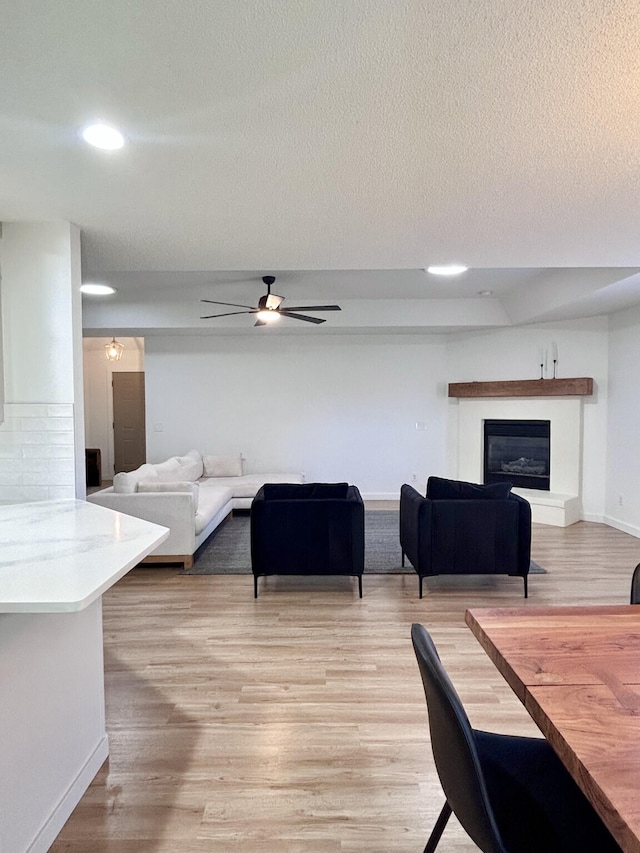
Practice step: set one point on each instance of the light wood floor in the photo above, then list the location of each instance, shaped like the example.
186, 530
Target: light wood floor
296, 723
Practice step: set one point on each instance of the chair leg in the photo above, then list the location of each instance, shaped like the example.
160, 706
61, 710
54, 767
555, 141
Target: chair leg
255, 586
360, 585
526, 586
420, 584
438, 829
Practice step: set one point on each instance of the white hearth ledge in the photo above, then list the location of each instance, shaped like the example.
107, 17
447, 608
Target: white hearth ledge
551, 507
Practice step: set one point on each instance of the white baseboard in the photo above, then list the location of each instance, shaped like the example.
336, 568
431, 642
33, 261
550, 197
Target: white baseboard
622, 525
595, 517
70, 799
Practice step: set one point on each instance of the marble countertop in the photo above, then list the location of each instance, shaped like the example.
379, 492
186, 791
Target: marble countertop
59, 556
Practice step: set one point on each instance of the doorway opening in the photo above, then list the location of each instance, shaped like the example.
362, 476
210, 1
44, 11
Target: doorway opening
100, 414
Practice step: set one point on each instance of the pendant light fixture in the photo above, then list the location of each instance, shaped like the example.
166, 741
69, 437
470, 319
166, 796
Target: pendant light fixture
113, 350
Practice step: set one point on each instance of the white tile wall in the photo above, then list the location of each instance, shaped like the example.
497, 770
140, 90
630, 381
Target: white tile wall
36, 452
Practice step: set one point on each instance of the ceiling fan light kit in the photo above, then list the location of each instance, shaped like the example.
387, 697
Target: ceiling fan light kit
268, 315
269, 308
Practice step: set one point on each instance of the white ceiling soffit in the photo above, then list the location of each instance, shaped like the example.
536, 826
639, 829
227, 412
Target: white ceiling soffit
382, 300
277, 135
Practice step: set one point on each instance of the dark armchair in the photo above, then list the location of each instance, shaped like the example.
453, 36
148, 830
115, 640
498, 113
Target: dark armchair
308, 529
465, 529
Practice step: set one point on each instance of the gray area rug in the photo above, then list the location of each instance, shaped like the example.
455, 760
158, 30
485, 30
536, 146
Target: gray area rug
227, 551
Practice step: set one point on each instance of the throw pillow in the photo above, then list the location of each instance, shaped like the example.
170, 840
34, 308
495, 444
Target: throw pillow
169, 471
125, 482
222, 466
330, 490
178, 486
286, 491
190, 466
304, 491
439, 489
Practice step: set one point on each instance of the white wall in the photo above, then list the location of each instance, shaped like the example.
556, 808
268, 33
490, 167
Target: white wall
98, 392
42, 437
623, 452
346, 407
514, 354
334, 407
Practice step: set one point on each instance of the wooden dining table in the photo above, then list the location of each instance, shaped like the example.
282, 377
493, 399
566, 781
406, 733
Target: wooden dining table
577, 672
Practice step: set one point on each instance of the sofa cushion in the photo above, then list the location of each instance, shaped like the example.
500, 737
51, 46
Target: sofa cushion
125, 482
211, 502
247, 485
222, 466
178, 486
439, 489
287, 491
190, 466
169, 470
330, 490
305, 491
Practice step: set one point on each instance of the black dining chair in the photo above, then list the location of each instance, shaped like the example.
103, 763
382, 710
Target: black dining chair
635, 585
510, 794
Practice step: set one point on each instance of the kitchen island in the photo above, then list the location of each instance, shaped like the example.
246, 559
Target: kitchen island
57, 558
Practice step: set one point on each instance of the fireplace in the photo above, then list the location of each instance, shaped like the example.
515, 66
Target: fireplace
518, 452
561, 504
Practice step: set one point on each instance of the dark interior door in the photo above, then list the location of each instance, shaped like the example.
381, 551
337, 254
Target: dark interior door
129, 438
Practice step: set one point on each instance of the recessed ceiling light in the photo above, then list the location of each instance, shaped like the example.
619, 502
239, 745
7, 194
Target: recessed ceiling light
102, 136
447, 269
485, 293
97, 289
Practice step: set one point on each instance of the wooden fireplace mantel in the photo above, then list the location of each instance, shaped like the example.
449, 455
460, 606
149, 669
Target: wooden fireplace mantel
582, 386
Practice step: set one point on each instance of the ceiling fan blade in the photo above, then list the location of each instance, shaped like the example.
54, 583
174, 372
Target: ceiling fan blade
232, 304
229, 314
315, 308
286, 313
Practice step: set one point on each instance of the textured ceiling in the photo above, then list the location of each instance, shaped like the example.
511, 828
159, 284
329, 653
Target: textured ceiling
275, 135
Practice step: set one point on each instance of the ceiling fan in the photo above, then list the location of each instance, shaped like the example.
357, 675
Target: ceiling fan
269, 308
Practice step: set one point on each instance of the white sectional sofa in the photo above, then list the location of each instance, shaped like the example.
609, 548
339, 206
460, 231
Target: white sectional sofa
190, 494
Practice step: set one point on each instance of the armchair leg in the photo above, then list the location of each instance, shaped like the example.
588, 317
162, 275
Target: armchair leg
438, 829
526, 586
420, 584
360, 585
255, 586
